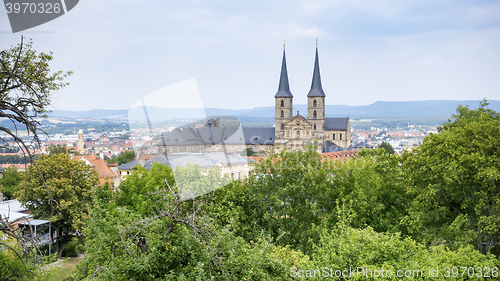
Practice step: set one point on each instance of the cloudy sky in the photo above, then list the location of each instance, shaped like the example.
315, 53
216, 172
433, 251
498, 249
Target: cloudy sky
397, 50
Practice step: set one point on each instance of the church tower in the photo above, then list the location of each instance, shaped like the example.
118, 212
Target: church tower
316, 103
284, 102
80, 144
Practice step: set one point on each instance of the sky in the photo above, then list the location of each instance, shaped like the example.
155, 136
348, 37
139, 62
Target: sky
388, 50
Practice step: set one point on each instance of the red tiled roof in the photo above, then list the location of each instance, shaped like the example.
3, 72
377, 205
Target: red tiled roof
18, 166
341, 155
101, 166
256, 158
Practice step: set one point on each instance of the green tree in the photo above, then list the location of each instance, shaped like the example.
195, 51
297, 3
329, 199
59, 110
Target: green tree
388, 148
123, 158
11, 266
248, 152
9, 183
16, 159
455, 179
57, 149
290, 193
283, 197
152, 231
64, 197
26, 86
366, 251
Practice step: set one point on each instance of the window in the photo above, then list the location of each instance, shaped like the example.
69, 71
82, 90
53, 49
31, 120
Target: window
282, 126
282, 103
333, 136
315, 114
282, 114
315, 104
298, 134
314, 127
340, 136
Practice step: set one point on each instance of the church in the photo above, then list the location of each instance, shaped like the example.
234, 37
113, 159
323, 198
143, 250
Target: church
295, 132
290, 131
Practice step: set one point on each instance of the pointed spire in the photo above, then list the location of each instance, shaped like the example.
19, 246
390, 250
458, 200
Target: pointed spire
284, 87
316, 88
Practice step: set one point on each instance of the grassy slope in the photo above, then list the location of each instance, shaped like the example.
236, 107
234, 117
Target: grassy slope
59, 273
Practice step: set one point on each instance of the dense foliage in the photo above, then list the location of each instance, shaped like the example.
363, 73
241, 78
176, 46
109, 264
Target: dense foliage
149, 232
387, 147
57, 149
9, 182
454, 177
123, 158
26, 87
16, 159
301, 215
11, 266
274, 199
63, 196
430, 214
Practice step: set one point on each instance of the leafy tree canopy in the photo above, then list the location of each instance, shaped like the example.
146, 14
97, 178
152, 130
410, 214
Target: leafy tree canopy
57, 149
248, 152
123, 158
152, 232
64, 198
388, 148
26, 86
290, 193
9, 183
345, 247
455, 179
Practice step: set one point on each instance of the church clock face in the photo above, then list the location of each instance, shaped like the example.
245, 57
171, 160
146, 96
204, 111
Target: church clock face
297, 122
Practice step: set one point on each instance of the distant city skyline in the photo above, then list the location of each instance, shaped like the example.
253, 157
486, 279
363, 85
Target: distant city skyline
388, 50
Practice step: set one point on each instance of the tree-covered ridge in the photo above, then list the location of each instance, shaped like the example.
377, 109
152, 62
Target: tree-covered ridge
301, 215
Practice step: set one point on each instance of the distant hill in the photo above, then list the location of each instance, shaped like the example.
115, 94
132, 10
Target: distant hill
380, 108
90, 114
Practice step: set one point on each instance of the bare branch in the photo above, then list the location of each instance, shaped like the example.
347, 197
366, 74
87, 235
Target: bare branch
20, 257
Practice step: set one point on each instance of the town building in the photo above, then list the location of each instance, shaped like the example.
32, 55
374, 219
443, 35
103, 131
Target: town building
103, 169
15, 216
80, 141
